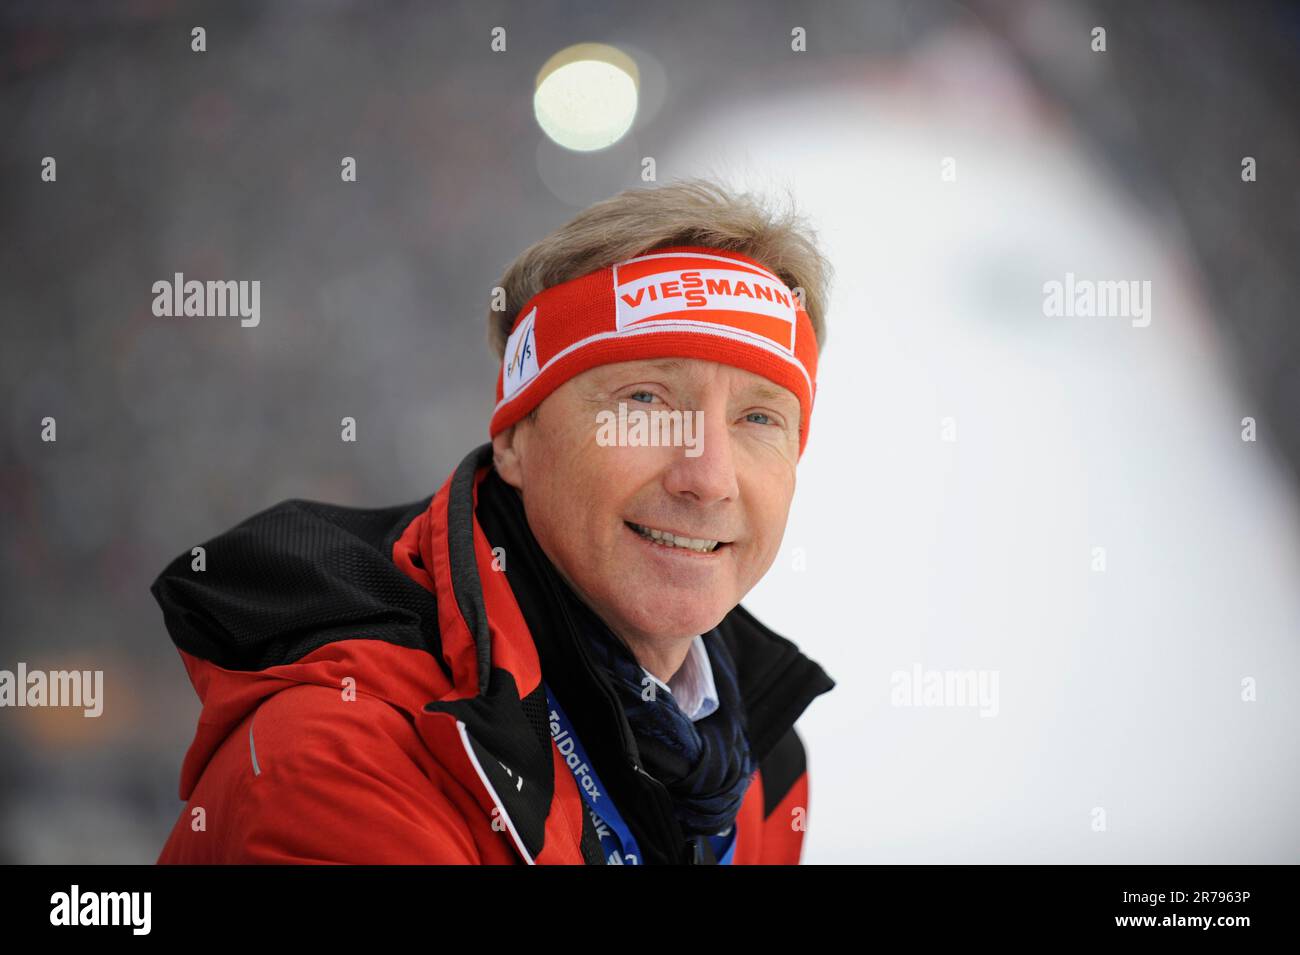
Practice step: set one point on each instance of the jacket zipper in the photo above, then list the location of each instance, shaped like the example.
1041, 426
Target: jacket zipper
691, 852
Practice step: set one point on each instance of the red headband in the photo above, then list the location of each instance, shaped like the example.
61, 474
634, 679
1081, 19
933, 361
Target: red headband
679, 302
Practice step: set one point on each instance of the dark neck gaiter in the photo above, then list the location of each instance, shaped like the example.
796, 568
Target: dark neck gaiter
706, 765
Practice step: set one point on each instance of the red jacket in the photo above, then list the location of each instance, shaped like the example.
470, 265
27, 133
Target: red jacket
371, 694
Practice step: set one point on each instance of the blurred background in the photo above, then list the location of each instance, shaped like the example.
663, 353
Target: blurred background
968, 455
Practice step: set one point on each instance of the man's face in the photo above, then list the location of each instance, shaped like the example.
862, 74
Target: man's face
584, 498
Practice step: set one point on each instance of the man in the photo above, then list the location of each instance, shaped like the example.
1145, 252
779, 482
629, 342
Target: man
545, 661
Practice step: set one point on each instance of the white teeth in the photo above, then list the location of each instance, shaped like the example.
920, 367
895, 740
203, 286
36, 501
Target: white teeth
672, 540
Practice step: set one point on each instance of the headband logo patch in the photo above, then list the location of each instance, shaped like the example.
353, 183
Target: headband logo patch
519, 364
684, 291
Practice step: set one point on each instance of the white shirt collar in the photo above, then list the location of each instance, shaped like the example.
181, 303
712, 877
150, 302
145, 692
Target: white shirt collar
692, 686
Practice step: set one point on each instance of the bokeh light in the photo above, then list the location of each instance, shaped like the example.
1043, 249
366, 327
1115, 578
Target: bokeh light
586, 96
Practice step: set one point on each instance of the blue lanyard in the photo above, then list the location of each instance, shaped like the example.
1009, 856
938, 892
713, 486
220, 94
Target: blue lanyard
724, 847
616, 839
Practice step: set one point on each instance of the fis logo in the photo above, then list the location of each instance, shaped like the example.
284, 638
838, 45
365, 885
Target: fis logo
523, 351
520, 357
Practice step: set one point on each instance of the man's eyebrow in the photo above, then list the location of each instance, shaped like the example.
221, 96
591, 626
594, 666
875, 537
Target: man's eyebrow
771, 393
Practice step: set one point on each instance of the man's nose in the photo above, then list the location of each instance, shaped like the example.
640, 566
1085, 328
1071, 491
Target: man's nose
707, 474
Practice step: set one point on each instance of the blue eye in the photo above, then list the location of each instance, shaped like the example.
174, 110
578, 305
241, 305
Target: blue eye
759, 414
650, 395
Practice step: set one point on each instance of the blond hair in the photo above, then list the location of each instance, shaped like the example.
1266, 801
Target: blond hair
685, 212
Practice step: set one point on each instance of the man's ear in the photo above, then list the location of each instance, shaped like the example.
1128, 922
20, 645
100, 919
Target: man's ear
507, 456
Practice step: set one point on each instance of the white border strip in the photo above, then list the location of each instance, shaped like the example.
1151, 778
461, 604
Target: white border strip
469, 749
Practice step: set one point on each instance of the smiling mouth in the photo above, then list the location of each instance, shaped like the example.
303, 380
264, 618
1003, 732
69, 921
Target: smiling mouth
666, 539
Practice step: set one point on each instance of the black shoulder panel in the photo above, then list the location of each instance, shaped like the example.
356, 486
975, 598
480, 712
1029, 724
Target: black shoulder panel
293, 578
782, 769
777, 681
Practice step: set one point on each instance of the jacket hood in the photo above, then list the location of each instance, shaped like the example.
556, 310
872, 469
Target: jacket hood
281, 599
